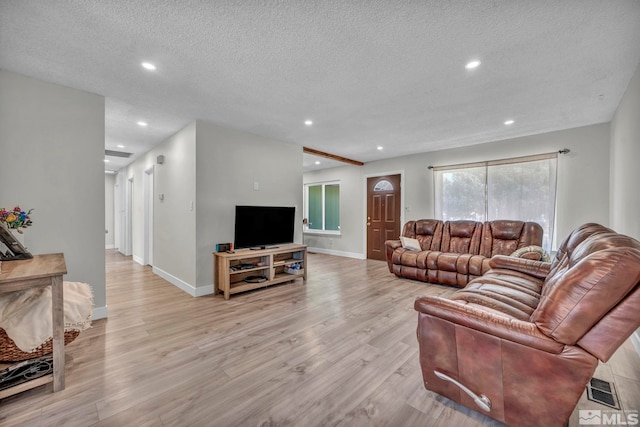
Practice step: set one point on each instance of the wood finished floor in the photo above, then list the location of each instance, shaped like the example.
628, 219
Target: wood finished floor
340, 351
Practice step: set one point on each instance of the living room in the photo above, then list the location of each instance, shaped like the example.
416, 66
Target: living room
58, 168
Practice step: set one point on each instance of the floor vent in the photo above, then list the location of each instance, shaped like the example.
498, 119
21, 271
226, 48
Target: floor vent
602, 392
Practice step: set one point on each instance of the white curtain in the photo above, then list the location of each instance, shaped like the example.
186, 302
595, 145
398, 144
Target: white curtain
520, 189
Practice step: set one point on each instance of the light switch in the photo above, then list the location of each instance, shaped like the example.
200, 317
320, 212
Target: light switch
256, 186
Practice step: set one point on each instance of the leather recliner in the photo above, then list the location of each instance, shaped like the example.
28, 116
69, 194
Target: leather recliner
455, 252
520, 343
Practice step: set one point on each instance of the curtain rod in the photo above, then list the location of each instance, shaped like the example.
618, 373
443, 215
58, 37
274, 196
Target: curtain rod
562, 151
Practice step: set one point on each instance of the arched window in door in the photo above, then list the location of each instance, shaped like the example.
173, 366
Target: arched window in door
383, 185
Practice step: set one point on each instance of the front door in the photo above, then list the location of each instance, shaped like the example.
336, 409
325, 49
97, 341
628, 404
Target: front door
383, 213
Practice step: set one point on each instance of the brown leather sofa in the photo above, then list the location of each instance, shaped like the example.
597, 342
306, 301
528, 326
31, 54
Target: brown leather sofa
524, 339
455, 252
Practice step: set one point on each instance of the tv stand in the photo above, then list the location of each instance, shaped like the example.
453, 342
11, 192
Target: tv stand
276, 264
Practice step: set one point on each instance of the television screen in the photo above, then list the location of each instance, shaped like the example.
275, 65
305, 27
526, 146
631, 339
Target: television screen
261, 226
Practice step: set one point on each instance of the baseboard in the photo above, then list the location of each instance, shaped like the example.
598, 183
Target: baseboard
635, 340
138, 259
99, 313
191, 290
336, 253
204, 290
109, 246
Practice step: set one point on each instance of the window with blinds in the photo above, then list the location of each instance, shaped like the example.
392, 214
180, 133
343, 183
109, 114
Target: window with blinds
322, 207
522, 188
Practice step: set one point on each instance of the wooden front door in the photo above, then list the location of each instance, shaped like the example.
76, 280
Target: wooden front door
383, 213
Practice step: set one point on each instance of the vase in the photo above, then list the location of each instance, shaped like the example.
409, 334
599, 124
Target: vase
18, 236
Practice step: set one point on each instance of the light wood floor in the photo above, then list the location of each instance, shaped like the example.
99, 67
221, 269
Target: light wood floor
340, 351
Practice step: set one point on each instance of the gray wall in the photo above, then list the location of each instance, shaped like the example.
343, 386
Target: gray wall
583, 182
228, 163
173, 219
208, 170
625, 173
52, 151
625, 155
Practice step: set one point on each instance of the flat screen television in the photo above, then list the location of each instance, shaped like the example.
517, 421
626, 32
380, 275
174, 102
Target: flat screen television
262, 226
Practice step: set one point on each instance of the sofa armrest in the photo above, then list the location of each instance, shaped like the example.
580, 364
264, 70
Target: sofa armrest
487, 321
393, 244
533, 252
537, 269
390, 247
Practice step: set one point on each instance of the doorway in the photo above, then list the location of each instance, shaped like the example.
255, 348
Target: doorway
384, 211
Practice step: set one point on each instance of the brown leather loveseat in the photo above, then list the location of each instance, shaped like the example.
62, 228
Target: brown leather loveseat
523, 340
455, 252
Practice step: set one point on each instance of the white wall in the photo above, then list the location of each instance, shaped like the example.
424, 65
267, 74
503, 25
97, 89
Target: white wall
174, 240
207, 171
583, 182
109, 210
625, 174
352, 212
228, 162
625, 155
51, 159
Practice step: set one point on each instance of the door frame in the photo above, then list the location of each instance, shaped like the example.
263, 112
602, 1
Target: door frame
364, 204
128, 220
147, 226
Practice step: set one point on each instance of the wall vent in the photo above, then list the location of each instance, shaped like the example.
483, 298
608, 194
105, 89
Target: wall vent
116, 153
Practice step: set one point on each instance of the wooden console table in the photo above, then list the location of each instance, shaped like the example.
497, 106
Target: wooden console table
232, 269
42, 270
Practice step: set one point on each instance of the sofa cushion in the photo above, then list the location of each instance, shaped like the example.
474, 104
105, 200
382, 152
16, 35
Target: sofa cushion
429, 233
590, 277
510, 292
502, 237
461, 237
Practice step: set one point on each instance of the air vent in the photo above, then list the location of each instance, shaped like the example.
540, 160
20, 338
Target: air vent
116, 153
602, 392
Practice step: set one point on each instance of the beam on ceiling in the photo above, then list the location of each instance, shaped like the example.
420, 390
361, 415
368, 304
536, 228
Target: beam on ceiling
331, 156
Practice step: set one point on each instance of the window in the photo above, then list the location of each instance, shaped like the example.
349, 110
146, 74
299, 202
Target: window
322, 207
521, 189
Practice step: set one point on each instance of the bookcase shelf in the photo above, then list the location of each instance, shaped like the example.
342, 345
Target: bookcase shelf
243, 270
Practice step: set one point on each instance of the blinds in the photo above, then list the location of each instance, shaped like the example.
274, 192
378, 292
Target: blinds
522, 188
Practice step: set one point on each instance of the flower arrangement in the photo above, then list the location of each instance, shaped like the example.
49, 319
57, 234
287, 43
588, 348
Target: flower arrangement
16, 218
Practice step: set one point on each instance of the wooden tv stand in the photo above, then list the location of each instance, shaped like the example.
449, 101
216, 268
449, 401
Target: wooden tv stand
232, 270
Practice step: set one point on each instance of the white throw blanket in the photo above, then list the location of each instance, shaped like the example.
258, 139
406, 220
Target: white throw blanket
26, 315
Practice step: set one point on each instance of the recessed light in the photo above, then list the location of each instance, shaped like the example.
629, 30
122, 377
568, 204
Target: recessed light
317, 162
509, 122
149, 66
308, 122
120, 146
106, 160
143, 124
471, 65
379, 147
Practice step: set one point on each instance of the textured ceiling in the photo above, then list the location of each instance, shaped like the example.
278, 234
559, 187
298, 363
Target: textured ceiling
367, 73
